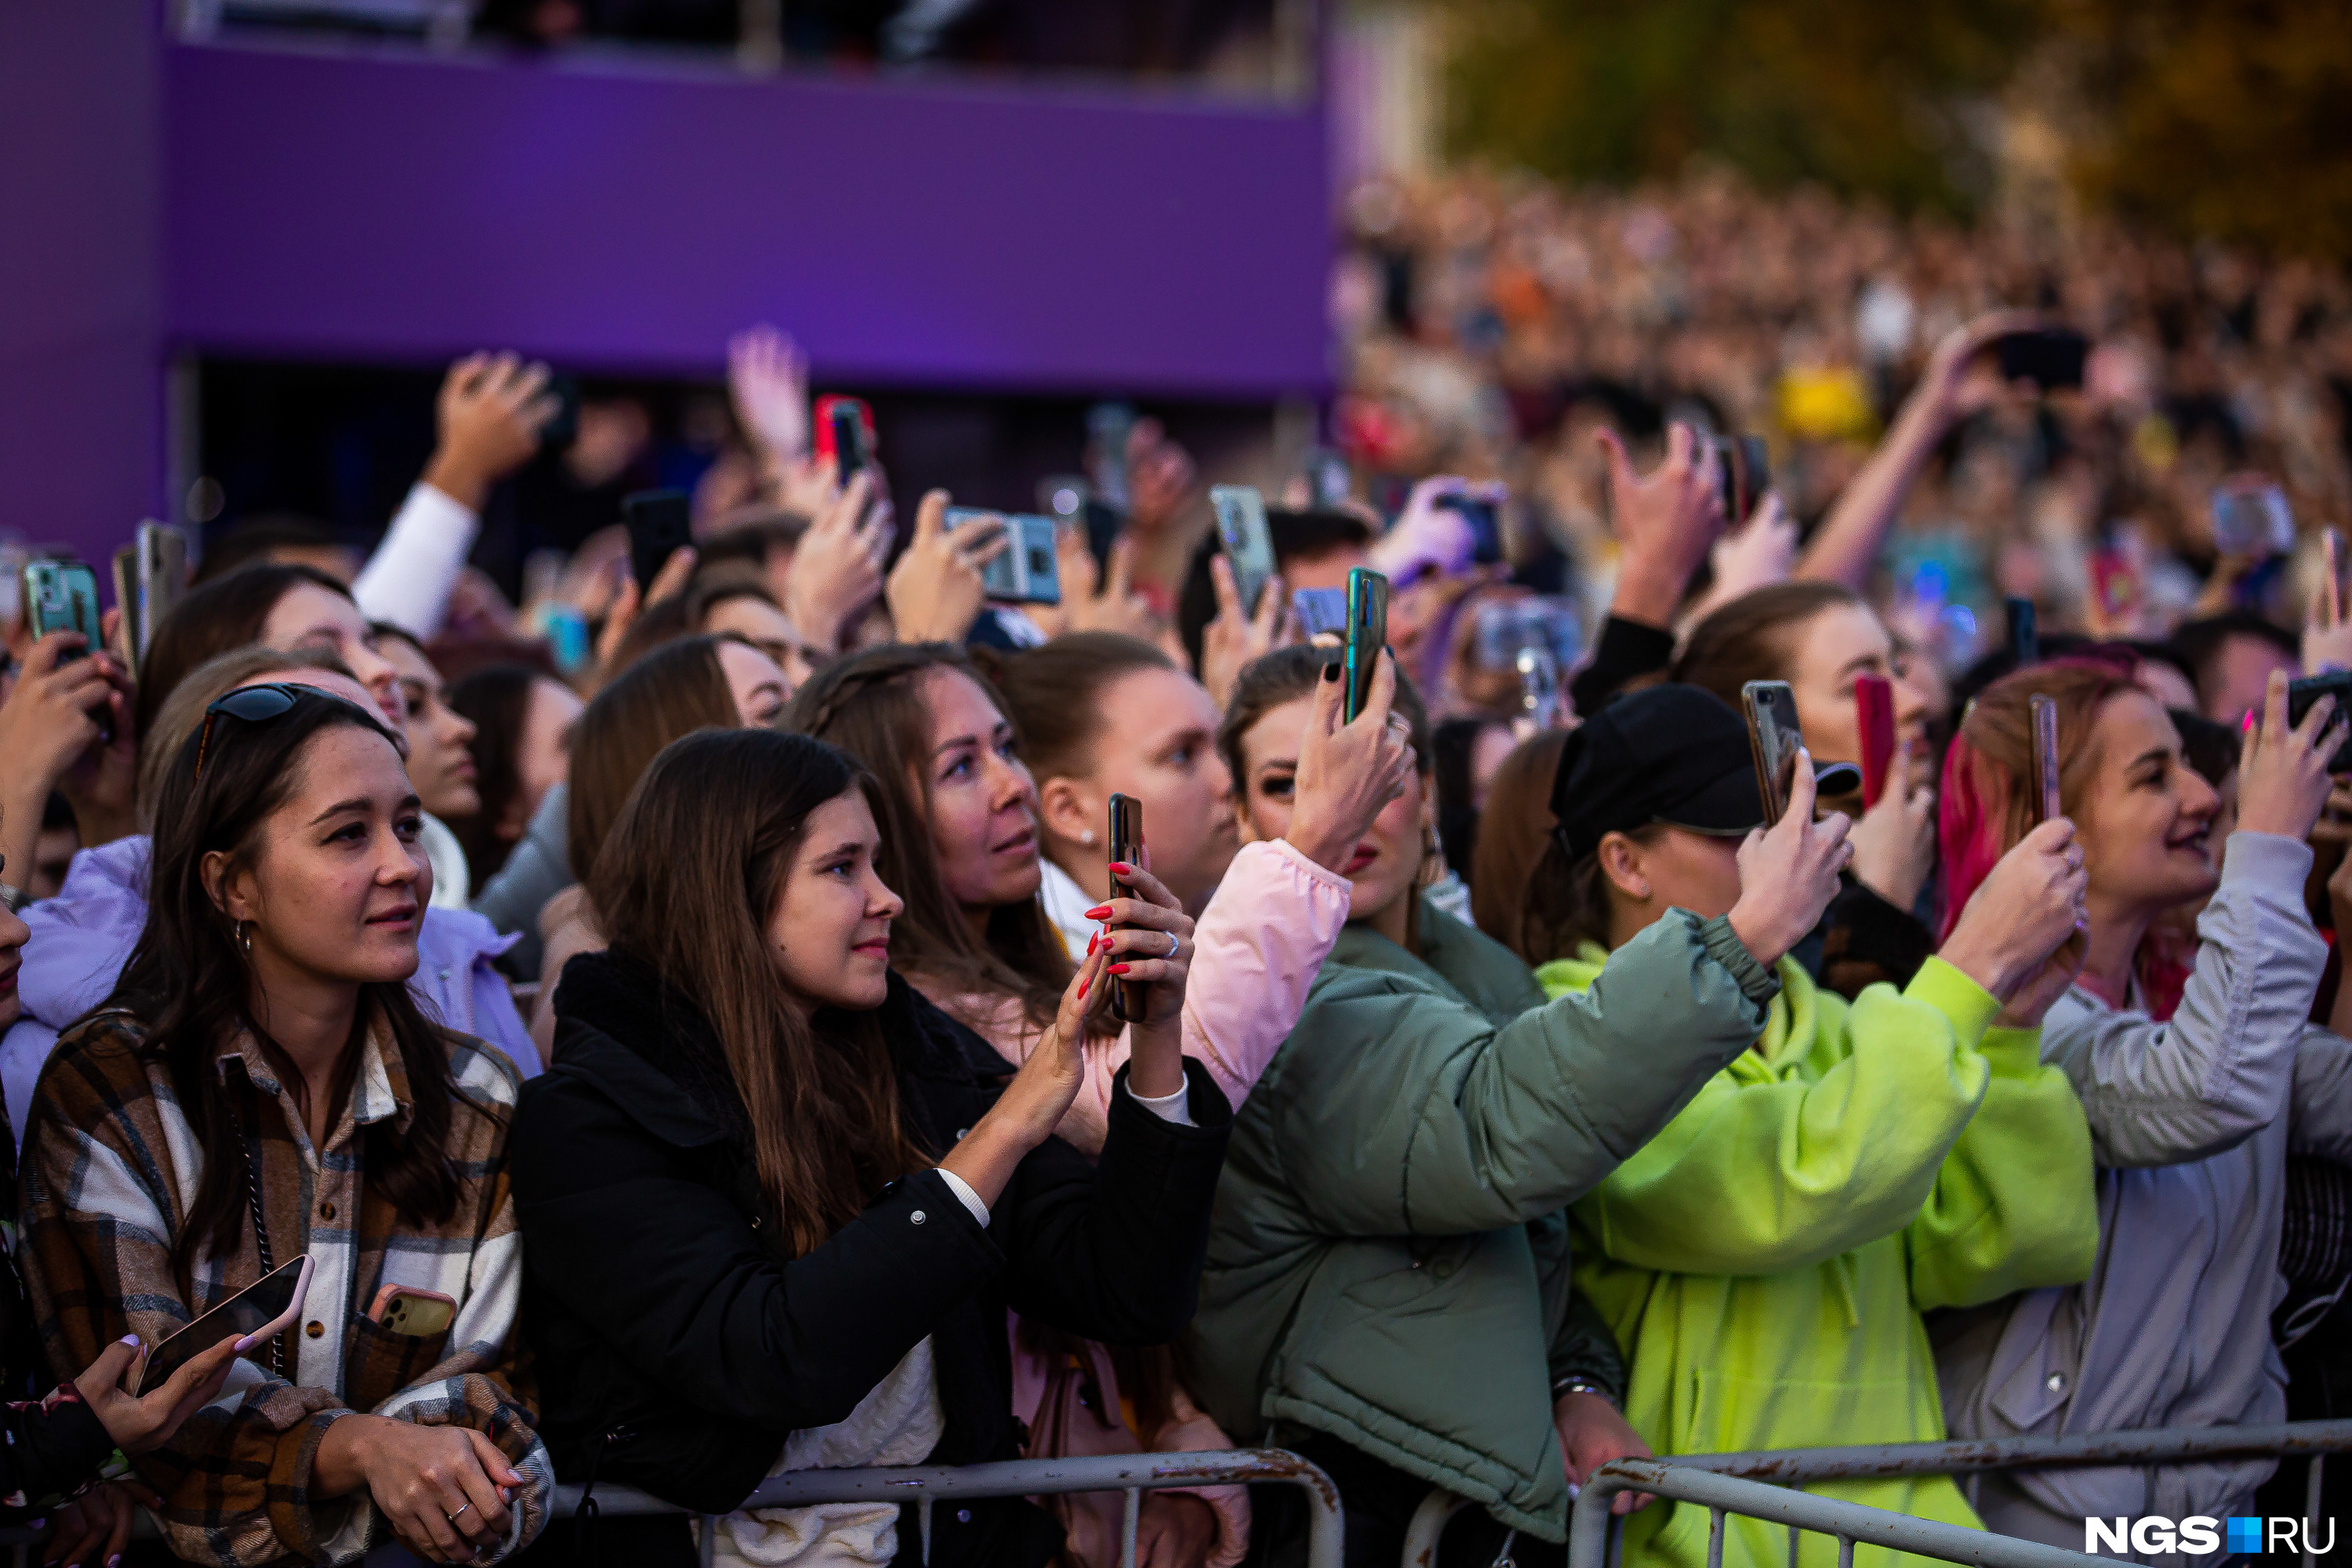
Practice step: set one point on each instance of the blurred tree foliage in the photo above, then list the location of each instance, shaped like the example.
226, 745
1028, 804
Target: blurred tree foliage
2230, 118
2212, 117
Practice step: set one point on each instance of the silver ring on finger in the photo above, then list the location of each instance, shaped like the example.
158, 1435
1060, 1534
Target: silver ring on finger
1174, 941
461, 1507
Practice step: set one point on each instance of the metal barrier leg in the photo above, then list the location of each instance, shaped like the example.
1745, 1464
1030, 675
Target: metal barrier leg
2310, 1487
1131, 1505
1427, 1527
710, 1537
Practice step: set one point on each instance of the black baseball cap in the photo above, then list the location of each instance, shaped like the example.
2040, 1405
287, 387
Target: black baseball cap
1675, 755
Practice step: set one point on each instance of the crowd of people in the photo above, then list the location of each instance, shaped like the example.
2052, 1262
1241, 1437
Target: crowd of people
736, 1044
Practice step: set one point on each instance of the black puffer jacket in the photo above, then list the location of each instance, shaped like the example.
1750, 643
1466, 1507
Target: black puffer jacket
676, 1349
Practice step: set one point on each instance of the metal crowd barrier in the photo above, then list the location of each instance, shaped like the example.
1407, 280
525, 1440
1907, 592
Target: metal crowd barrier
1790, 1467
927, 1484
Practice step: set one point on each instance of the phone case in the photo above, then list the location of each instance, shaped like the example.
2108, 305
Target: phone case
410, 1309
1367, 632
1874, 707
1773, 742
1126, 1001
1248, 545
2045, 759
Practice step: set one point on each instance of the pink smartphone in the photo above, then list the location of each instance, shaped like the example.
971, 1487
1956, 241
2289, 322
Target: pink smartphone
1873, 716
267, 1307
408, 1309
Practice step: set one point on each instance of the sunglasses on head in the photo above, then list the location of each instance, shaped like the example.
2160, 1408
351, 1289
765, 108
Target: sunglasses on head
258, 705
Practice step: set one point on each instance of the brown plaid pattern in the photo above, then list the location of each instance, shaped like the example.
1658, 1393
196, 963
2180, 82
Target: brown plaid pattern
110, 1168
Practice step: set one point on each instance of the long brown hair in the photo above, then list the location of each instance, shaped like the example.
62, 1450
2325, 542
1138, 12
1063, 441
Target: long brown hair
1514, 836
189, 984
871, 706
1753, 637
674, 690
689, 879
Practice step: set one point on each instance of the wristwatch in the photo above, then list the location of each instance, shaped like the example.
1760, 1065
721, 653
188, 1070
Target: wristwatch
1574, 1383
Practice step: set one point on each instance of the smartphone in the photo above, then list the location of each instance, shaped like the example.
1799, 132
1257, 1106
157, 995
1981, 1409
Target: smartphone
411, 1309
1248, 544
1484, 514
161, 582
845, 432
1028, 571
2045, 758
2252, 519
1873, 716
2024, 633
2050, 357
1743, 472
562, 427
1366, 633
660, 524
267, 1307
1328, 480
126, 601
1320, 610
1108, 426
1774, 740
62, 597
2302, 694
1127, 1000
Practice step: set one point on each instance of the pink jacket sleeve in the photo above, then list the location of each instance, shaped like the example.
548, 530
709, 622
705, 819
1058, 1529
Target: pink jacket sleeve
1261, 941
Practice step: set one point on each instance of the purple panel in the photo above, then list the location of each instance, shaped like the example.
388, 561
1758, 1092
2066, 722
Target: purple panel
81, 279
626, 218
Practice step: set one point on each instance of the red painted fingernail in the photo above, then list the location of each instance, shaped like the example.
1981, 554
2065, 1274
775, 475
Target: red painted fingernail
1119, 969
1100, 912
1082, 988
1121, 866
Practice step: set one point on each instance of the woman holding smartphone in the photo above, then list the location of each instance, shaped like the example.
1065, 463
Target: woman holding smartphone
776, 1204
2199, 1080
261, 1084
962, 826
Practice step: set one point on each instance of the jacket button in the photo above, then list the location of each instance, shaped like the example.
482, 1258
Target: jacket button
2057, 1384
918, 1216
327, 1209
314, 1328
963, 1516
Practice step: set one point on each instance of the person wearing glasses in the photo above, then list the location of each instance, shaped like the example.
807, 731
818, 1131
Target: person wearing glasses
262, 1084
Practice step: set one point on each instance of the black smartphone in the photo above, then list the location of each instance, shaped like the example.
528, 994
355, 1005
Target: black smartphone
1249, 544
562, 427
268, 1307
2045, 757
2024, 632
1127, 998
2052, 357
660, 524
1368, 632
1774, 739
1485, 517
1028, 570
1743, 472
847, 417
2302, 694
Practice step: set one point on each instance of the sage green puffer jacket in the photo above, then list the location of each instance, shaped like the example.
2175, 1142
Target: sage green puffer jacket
1388, 1260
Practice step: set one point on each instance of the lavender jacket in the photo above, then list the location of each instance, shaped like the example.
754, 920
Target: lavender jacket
82, 938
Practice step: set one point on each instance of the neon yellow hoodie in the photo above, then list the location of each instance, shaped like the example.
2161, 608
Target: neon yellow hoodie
1765, 1259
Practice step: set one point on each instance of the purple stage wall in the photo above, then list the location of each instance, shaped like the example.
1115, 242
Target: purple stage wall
382, 206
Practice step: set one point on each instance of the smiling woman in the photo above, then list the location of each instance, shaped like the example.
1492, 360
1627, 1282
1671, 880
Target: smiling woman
264, 1085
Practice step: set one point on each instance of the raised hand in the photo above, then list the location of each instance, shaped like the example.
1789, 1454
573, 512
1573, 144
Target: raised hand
2326, 631
1756, 556
1041, 1092
935, 590
1789, 872
1348, 773
2020, 935
1665, 522
1111, 605
2283, 781
631, 601
767, 380
491, 410
836, 572
1140, 951
1234, 639
1428, 535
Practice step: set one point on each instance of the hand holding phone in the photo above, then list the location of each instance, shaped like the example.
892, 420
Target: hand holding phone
2300, 694
253, 1317
660, 524
2050, 357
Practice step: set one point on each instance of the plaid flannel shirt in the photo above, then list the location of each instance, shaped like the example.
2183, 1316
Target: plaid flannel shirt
110, 1169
